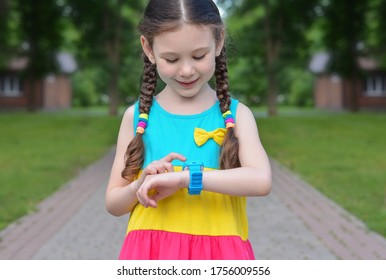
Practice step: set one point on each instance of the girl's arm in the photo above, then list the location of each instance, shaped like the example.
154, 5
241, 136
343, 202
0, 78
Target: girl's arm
121, 194
253, 178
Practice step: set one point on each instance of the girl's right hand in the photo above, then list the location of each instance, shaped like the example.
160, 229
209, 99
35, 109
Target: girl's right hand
159, 166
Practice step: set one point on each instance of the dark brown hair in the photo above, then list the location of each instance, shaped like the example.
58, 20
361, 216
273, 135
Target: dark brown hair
168, 15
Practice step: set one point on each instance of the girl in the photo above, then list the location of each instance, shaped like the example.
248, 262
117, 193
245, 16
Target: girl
183, 165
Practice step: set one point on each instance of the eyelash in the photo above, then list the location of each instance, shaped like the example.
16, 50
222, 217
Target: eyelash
199, 58
171, 61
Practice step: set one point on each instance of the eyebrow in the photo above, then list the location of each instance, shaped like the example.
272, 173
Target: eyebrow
196, 50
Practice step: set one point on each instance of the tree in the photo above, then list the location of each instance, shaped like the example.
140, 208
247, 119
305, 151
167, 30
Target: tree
3, 29
272, 30
107, 38
344, 31
376, 36
9, 35
37, 27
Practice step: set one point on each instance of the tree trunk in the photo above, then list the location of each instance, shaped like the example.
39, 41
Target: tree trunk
35, 93
272, 50
352, 91
3, 8
113, 51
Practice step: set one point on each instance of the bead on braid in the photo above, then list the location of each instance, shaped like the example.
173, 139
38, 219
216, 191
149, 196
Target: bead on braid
229, 120
142, 123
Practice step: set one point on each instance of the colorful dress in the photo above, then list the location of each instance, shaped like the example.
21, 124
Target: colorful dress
183, 226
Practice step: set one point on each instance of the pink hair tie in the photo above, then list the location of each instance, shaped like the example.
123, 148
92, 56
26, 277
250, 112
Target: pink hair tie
142, 124
230, 120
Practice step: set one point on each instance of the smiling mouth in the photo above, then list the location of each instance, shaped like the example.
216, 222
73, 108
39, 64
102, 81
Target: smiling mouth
187, 84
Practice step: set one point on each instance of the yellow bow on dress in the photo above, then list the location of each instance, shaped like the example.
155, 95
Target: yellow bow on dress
201, 135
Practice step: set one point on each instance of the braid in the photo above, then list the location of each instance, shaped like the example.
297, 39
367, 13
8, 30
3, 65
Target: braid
222, 88
229, 157
149, 83
135, 153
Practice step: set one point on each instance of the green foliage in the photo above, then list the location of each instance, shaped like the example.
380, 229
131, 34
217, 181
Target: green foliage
344, 28
376, 26
41, 29
269, 41
298, 87
87, 87
9, 36
109, 40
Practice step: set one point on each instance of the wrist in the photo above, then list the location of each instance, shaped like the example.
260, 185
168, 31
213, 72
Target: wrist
195, 177
184, 179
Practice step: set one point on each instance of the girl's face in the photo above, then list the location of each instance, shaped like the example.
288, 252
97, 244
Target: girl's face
185, 58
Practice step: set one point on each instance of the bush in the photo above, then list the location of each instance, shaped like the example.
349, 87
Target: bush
85, 88
301, 89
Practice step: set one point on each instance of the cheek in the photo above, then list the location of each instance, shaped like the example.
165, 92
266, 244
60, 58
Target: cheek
165, 70
208, 67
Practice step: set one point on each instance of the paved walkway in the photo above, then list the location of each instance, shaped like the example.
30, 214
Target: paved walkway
294, 222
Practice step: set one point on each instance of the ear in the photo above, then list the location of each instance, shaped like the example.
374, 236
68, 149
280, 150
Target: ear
220, 44
147, 49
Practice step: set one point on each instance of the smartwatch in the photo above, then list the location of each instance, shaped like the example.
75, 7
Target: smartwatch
195, 175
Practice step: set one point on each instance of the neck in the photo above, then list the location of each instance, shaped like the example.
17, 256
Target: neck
178, 104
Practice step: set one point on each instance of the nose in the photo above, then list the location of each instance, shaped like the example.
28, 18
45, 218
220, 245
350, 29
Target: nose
187, 69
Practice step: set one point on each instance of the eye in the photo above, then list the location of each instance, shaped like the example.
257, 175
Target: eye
199, 57
171, 60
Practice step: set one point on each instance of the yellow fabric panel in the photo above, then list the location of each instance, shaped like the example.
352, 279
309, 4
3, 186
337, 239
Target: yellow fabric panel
210, 214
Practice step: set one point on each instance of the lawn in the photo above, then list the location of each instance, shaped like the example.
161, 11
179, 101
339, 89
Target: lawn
343, 155
42, 151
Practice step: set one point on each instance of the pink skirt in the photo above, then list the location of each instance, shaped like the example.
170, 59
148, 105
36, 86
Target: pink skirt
163, 245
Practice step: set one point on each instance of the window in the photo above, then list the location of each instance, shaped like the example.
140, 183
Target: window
375, 85
10, 86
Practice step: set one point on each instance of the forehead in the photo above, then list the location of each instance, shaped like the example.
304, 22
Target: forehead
187, 38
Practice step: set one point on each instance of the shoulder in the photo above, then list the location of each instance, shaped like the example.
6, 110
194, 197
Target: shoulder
243, 112
129, 113
240, 110
128, 116
245, 121
127, 124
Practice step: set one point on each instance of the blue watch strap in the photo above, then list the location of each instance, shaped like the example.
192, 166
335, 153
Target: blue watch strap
195, 174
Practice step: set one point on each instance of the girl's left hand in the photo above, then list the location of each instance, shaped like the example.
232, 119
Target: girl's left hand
162, 185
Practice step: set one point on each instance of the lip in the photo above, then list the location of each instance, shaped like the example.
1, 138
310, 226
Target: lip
188, 84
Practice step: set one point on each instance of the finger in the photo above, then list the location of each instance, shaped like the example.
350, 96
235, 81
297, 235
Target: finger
143, 199
160, 168
139, 197
169, 167
152, 203
143, 192
157, 197
142, 196
170, 157
149, 170
165, 166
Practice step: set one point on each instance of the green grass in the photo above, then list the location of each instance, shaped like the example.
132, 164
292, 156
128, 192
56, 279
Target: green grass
342, 155
42, 151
